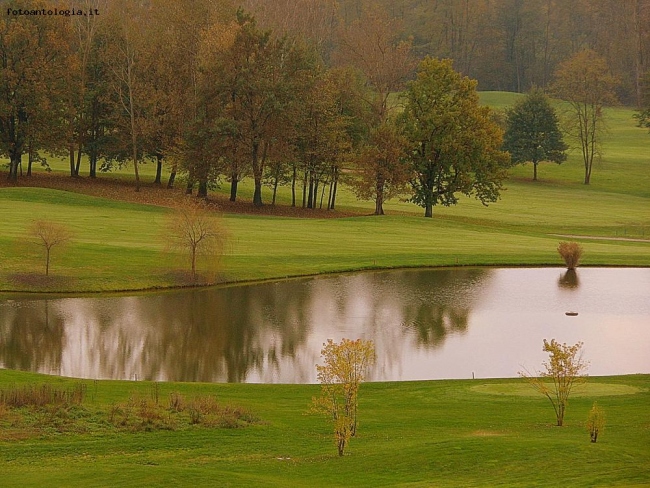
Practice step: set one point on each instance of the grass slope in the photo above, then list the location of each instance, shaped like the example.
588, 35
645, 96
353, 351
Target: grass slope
436, 433
121, 246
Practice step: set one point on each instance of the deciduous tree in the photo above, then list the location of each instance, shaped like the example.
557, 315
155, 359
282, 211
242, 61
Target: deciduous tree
196, 232
48, 234
454, 146
373, 44
382, 171
595, 422
564, 369
33, 60
533, 133
584, 82
344, 370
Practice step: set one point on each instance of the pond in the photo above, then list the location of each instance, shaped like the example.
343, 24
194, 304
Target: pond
426, 324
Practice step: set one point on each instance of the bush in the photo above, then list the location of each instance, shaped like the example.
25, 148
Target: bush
571, 252
595, 422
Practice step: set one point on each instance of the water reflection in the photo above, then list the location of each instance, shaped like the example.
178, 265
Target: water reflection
425, 324
569, 279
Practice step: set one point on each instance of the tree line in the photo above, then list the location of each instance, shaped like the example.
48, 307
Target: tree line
510, 45
205, 89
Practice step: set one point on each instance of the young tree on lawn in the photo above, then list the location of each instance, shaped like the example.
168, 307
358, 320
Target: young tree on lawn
344, 369
533, 133
585, 83
48, 235
564, 369
196, 232
454, 146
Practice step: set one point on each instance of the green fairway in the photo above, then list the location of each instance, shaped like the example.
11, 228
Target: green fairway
436, 433
122, 246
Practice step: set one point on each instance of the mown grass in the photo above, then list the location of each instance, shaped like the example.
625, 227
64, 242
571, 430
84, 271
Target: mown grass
433, 433
121, 246
437, 433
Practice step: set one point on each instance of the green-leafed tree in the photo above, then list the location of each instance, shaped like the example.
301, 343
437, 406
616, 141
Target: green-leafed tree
585, 83
533, 133
454, 144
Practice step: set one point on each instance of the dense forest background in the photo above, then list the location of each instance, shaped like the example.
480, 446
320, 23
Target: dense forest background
508, 45
293, 92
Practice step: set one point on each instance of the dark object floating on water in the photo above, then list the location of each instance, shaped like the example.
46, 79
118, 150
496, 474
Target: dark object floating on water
571, 314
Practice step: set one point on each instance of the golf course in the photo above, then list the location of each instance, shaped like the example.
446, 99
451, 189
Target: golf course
495, 432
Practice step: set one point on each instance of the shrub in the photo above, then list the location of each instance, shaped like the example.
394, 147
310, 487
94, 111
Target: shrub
595, 422
571, 252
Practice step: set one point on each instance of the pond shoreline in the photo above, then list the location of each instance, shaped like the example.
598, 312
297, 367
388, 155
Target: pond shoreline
16, 294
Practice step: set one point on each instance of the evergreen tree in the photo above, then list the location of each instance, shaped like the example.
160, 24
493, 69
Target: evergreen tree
533, 133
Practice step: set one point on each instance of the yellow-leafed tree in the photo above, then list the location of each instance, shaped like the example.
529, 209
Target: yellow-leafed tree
345, 368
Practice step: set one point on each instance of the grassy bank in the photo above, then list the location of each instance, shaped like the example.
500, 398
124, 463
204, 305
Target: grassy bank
121, 246
435, 433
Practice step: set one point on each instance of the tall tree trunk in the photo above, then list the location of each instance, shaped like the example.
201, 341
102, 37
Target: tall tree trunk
322, 195
14, 163
72, 161
189, 187
78, 165
257, 176
428, 210
336, 183
93, 164
172, 178
203, 189
30, 159
275, 191
379, 196
534, 170
159, 161
304, 189
293, 186
234, 180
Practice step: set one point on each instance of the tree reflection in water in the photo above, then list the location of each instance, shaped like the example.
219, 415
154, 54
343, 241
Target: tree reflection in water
267, 333
424, 323
569, 279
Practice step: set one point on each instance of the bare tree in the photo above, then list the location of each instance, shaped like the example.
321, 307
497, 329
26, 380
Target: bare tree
48, 234
195, 231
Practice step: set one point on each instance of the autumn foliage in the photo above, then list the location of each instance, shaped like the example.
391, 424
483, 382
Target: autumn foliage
344, 369
571, 252
564, 369
595, 422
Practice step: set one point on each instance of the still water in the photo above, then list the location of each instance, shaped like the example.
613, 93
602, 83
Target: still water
426, 324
